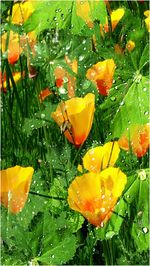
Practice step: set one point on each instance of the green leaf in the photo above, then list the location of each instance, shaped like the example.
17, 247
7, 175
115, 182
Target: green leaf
144, 58
133, 108
48, 15
140, 229
41, 119
60, 254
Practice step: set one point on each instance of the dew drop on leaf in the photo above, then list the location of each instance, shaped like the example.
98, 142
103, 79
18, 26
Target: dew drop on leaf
145, 230
113, 98
146, 113
145, 89
110, 234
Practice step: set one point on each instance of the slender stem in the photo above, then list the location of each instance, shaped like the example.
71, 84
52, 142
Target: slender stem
77, 154
46, 196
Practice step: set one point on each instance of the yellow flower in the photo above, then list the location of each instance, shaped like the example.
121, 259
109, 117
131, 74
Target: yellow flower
102, 75
75, 118
95, 195
147, 20
130, 45
21, 12
3, 78
18, 43
115, 17
15, 185
84, 10
101, 157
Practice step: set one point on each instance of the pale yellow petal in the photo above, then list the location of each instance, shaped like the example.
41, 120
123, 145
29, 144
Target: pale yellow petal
97, 159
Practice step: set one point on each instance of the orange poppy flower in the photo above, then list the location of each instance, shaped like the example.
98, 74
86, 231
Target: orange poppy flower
147, 20
138, 138
95, 195
16, 43
101, 157
15, 185
16, 76
44, 94
61, 74
14, 48
75, 118
102, 75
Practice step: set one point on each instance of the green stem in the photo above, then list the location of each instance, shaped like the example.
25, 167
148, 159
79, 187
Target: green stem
47, 139
46, 196
77, 154
108, 254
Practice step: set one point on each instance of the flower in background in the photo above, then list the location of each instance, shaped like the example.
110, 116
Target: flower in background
14, 49
14, 44
115, 17
84, 10
3, 84
138, 138
147, 20
15, 185
130, 45
44, 94
95, 195
102, 75
118, 49
101, 157
75, 118
62, 76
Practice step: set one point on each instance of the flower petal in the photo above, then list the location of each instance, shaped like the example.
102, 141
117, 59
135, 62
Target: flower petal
77, 114
95, 195
15, 184
97, 159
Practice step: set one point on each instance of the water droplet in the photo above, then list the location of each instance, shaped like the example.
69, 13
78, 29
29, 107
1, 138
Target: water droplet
142, 175
101, 224
55, 19
81, 57
145, 89
68, 46
102, 209
62, 90
113, 98
145, 230
140, 213
42, 116
122, 103
146, 113
110, 234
